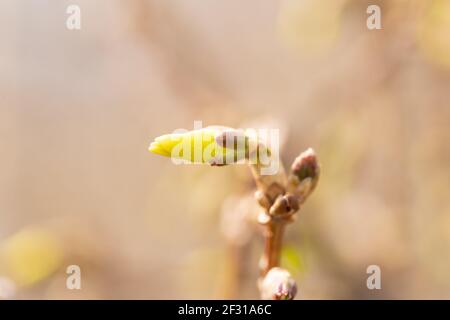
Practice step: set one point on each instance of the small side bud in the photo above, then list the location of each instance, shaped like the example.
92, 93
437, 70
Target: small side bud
292, 202
278, 284
306, 166
284, 205
271, 185
305, 172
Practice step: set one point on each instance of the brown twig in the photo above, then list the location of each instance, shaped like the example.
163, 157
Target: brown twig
273, 235
281, 197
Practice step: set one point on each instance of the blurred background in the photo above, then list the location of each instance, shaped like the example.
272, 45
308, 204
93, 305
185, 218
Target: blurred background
79, 108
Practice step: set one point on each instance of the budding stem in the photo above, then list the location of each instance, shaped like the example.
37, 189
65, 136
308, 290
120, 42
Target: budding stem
273, 237
281, 197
